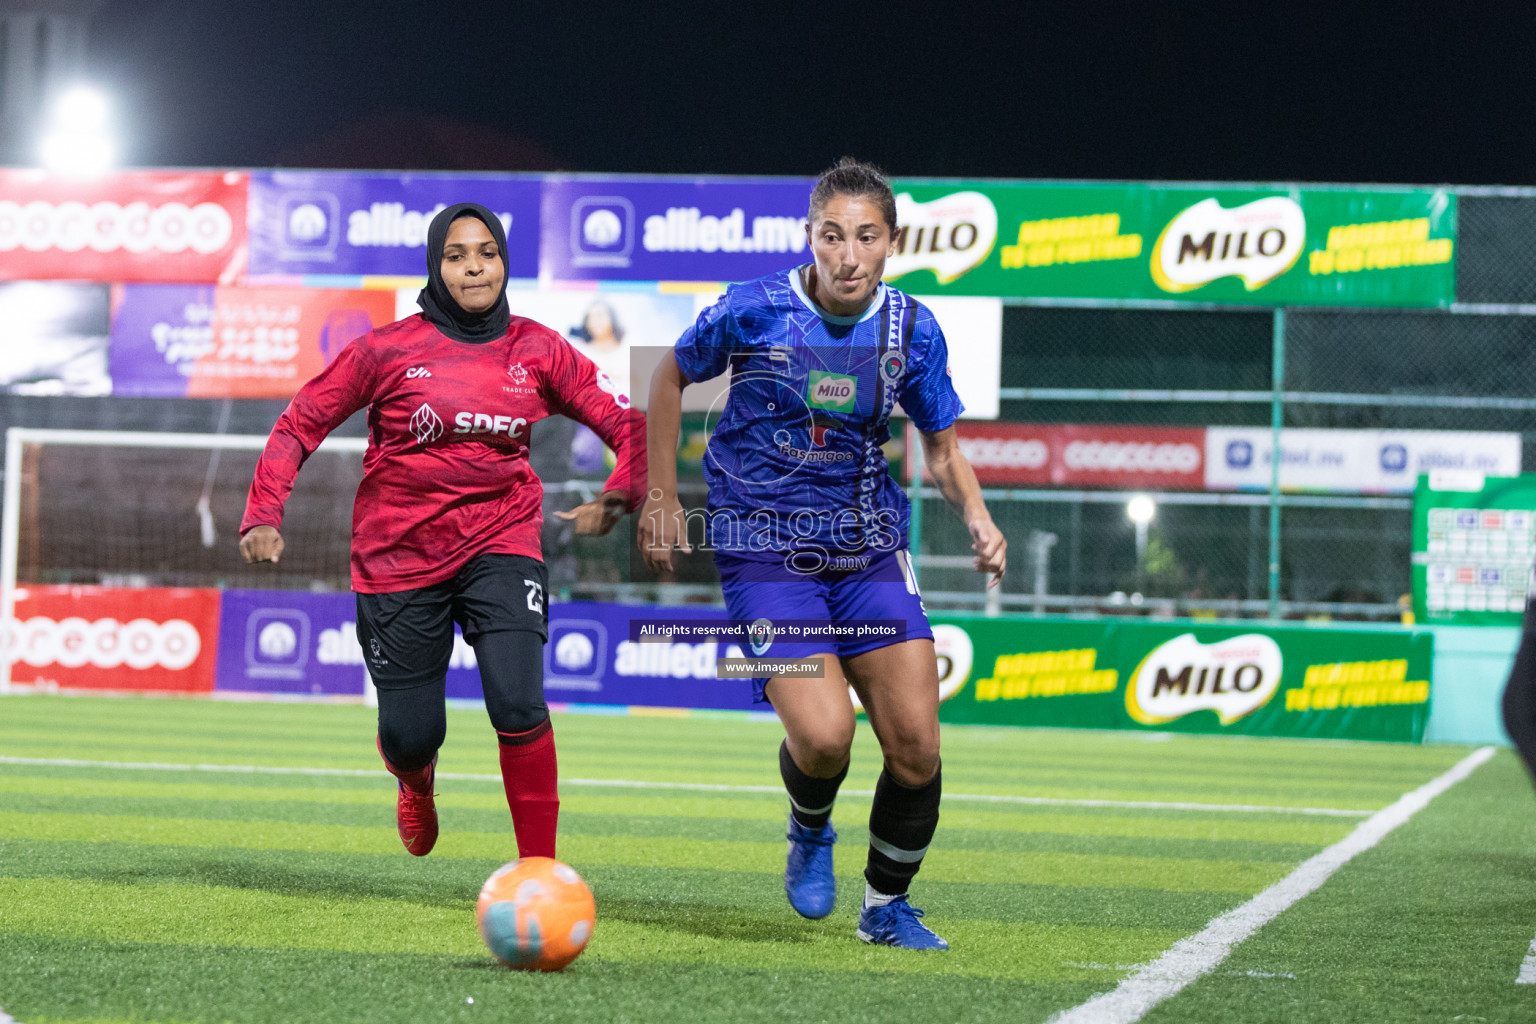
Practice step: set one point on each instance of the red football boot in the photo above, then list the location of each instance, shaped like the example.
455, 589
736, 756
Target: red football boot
415, 812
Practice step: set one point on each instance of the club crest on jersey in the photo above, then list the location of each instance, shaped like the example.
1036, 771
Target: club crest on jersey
606, 383
760, 633
832, 391
517, 373
892, 366
425, 425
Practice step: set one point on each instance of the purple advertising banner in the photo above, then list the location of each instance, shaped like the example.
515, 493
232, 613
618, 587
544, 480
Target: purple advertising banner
677, 229
590, 659
223, 341
282, 641
375, 225
160, 331
285, 641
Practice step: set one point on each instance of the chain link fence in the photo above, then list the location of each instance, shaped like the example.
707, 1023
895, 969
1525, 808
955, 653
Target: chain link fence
128, 516
1472, 367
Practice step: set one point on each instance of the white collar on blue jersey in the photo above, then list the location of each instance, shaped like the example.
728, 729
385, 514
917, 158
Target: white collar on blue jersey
832, 318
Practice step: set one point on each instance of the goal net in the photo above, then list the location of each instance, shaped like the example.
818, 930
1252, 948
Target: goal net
131, 509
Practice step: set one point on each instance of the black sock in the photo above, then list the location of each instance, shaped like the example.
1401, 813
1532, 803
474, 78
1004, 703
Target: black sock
1520, 693
810, 798
901, 825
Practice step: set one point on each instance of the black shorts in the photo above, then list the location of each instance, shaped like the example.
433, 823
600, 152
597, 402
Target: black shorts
407, 635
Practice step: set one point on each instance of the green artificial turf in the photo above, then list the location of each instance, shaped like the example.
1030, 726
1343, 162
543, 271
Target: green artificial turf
163, 895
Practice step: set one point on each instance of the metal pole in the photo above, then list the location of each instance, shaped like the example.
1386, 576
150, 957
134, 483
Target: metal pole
915, 497
10, 522
1276, 420
1040, 544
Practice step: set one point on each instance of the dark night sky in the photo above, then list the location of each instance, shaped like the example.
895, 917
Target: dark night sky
1359, 92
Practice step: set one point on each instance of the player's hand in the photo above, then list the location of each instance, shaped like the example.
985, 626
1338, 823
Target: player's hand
661, 529
990, 547
596, 518
261, 544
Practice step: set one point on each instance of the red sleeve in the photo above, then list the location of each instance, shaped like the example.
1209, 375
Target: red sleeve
321, 405
578, 389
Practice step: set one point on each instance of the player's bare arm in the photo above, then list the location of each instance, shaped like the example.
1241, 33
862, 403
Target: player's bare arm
597, 517
661, 525
957, 482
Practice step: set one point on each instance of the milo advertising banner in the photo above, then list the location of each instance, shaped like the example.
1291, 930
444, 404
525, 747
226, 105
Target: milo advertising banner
1318, 682
1247, 245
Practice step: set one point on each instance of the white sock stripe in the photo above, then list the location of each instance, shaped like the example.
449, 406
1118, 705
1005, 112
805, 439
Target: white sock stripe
1527, 975
810, 810
896, 853
1199, 954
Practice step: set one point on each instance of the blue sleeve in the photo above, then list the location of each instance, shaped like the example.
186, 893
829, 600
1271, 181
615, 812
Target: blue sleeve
704, 350
928, 391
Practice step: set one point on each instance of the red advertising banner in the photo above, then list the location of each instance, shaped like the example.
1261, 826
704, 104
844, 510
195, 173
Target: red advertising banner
200, 341
1083, 455
104, 638
130, 226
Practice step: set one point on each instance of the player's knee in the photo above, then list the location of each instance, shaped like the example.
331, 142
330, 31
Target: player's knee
913, 758
823, 753
518, 716
410, 744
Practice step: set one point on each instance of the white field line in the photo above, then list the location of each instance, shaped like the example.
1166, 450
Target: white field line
702, 787
6, 1018
1527, 975
1188, 959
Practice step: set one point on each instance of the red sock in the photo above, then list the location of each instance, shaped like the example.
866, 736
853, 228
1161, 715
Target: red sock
528, 772
419, 780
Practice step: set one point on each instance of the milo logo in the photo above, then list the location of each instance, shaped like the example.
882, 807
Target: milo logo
832, 391
1233, 678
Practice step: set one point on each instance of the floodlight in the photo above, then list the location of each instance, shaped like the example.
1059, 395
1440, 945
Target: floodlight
77, 140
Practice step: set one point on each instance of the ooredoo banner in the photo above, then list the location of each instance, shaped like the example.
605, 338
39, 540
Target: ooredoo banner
306, 223
100, 638
192, 341
129, 226
672, 229
1084, 455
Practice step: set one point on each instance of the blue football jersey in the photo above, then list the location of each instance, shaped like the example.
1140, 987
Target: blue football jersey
794, 462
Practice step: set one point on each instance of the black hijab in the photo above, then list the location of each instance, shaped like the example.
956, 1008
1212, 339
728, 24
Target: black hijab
438, 306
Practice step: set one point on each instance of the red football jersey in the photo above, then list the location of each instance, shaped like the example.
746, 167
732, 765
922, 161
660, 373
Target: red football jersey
446, 474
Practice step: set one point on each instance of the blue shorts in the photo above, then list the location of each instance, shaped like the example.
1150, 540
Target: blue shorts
851, 591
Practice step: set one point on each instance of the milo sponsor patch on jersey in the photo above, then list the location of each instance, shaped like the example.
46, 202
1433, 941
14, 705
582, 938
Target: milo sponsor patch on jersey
833, 391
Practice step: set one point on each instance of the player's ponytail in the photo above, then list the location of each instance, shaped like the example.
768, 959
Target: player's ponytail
850, 177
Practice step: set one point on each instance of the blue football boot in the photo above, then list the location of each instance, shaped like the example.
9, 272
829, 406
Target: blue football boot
808, 877
896, 924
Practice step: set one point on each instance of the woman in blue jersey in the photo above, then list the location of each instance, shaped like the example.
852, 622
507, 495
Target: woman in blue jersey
809, 531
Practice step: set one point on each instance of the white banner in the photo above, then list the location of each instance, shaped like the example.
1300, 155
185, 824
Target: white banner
1351, 461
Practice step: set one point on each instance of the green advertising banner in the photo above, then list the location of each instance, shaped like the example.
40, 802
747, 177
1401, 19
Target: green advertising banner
1474, 540
1317, 682
1304, 247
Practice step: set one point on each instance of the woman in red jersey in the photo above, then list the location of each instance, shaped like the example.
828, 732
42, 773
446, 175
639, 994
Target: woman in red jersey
446, 524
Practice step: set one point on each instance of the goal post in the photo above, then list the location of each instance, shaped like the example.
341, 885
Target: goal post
199, 477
